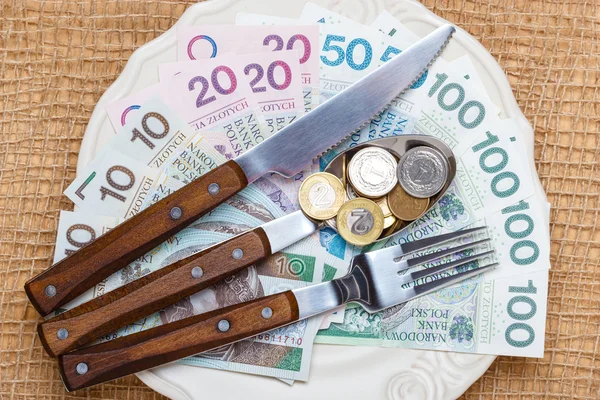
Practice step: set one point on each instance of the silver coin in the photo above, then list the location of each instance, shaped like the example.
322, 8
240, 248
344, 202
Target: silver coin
372, 172
422, 171
350, 193
332, 223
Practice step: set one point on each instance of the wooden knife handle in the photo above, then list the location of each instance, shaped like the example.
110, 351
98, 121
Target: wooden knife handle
147, 349
139, 234
152, 292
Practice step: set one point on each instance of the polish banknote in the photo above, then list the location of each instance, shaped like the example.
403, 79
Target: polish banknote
284, 353
113, 184
121, 180
227, 102
154, 135
77, 229
517, 233
503, 316
121, 110
274, 78
200, 42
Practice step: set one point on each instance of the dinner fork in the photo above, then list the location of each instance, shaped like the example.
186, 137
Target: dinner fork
376, 280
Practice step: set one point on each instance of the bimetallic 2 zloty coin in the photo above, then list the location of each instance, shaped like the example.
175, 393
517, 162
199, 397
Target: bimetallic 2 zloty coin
360, 221
321, 196
422, 171
372, 172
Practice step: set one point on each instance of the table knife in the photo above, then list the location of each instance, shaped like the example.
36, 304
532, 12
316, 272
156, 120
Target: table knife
376, 280
286, 152
155, 291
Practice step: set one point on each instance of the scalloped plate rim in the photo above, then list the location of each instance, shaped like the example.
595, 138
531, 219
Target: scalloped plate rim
125, 83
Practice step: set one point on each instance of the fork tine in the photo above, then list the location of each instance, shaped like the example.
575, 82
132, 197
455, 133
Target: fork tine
432, 286
406, 248
413, 262
435, 240
444, 267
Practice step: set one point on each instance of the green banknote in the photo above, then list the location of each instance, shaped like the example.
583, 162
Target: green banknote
283, 353
504, 316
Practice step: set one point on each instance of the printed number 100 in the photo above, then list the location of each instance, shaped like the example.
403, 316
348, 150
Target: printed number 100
510, 308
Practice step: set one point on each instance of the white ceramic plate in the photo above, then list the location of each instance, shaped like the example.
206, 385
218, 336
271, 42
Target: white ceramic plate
337, 372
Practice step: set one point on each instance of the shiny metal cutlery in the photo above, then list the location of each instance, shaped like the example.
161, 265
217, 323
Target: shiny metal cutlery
153, 292
286, 152
377, 280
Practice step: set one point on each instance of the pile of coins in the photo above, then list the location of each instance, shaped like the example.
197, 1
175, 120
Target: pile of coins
377, 194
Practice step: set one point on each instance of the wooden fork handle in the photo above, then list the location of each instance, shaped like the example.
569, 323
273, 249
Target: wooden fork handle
147, 349
151, 293
133, 238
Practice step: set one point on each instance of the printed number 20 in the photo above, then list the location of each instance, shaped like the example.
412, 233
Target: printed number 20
202, 100
260, 73
290, 44
348, 55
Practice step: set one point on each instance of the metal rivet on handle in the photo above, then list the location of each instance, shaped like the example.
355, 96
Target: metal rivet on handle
214, 189
267, 312
50, 291
175, 213
82, 368
197, 272
237, 254
223, 325
62, 334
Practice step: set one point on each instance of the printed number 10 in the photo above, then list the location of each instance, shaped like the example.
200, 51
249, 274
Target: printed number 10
348, 54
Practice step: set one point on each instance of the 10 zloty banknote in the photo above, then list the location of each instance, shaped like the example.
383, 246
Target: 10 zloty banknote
461, 208
287, 349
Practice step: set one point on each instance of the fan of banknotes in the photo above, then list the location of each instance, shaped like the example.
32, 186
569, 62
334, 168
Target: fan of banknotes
232, 87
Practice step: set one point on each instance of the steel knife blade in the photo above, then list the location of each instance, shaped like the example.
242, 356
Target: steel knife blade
295, 146
286, 152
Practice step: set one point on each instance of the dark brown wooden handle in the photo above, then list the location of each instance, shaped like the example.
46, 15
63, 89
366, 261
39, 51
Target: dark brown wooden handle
152, 292
147, 349
114, 250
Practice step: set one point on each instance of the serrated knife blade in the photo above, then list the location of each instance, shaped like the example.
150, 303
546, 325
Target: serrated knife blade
293, 148
286, 152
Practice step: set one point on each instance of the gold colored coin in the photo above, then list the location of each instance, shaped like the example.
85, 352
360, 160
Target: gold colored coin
382, 202
360, 221
321, 196
389, 221
344, 169
404, 206
396, 226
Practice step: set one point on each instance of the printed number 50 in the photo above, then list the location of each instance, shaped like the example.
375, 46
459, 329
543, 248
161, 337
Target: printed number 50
348, 54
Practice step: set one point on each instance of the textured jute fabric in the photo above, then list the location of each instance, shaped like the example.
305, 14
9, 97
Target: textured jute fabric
58, 57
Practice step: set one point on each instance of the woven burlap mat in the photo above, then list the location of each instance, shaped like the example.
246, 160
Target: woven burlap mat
58, 57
